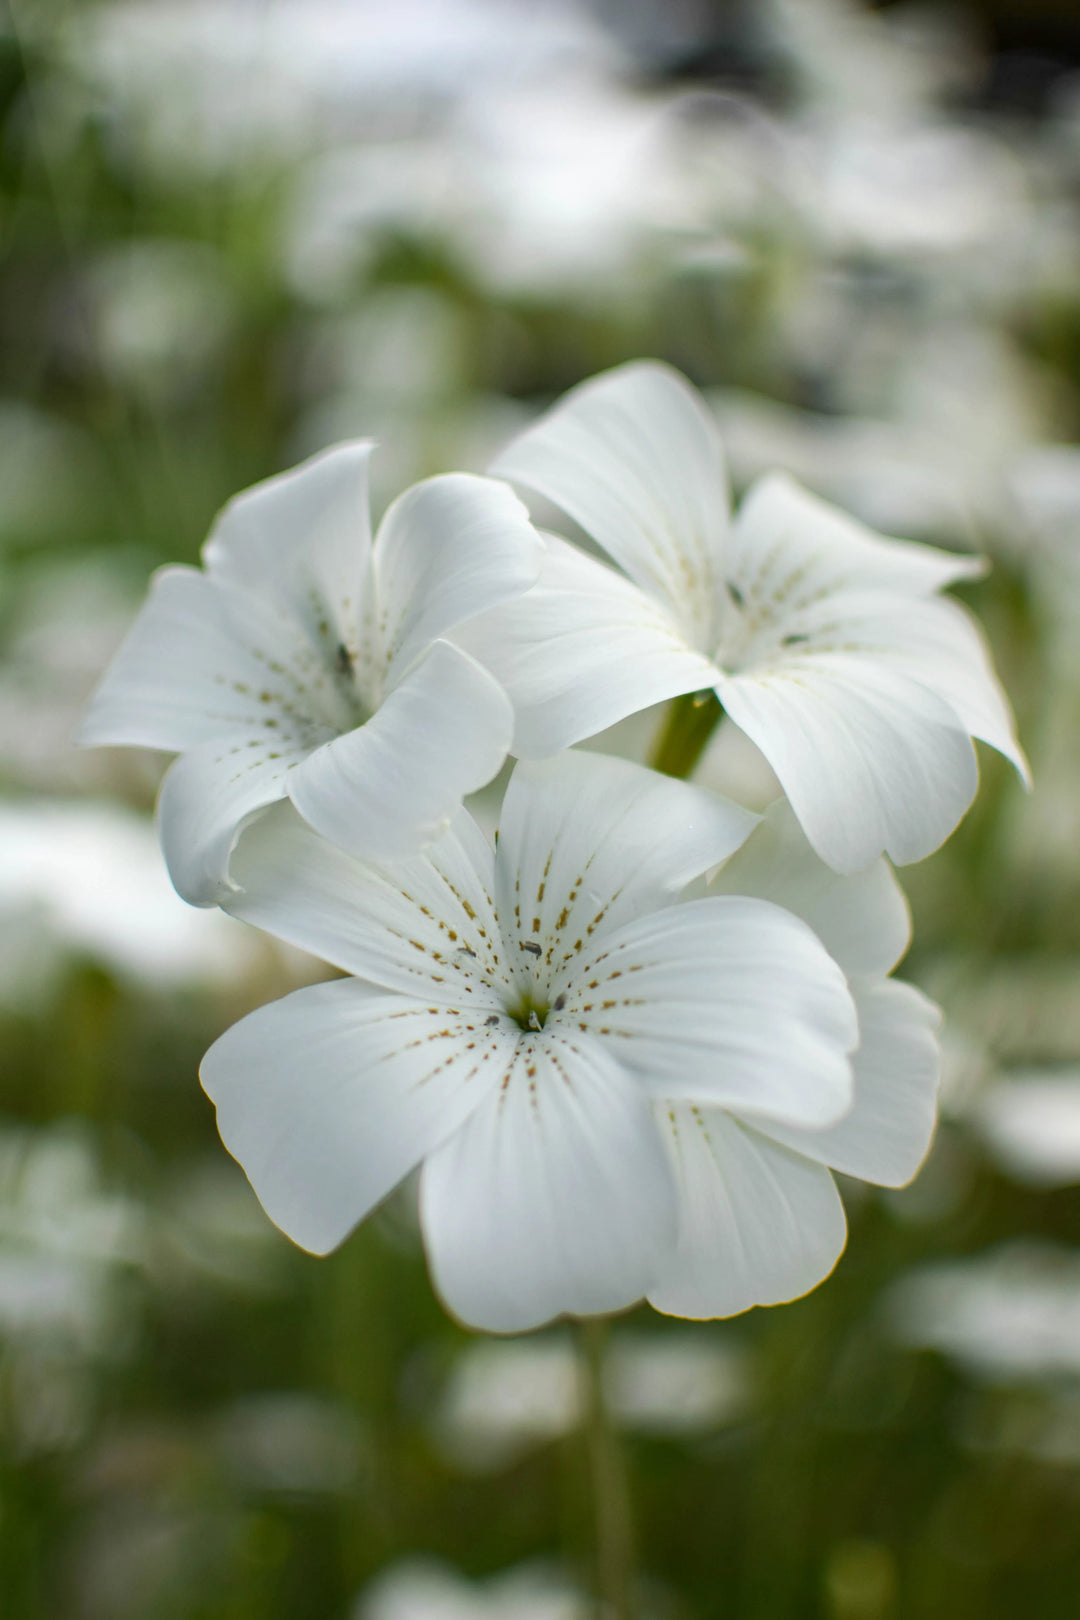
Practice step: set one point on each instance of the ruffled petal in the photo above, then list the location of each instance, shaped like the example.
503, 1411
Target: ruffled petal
862, 920
425, 927
722, 1002
758, 1225
555, 1196
202, 661
634, 457
870, 759
448, 549
587, 842
330, 1096
885, 1137
302, 541
581, 650
391, 786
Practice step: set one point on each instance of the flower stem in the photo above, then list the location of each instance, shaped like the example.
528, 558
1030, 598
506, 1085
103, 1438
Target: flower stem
690, 722
610, 1492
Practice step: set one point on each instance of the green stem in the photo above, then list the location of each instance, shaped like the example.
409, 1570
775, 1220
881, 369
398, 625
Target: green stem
690, 723
610, 1492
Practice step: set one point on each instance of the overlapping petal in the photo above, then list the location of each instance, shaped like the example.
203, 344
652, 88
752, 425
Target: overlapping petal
862, 919
554, 1196
726, 1002
634, 457
788, 548
582, 650
885, 1137
587, 843
207, 797
758, 1224
302, 541
424, 927
393, 785
204, 660
447, 549
869, 758
333, 1094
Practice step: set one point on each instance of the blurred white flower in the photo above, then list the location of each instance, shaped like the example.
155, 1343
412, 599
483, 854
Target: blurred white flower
198, 87
826, 644
505, 1398
306, 660
425, 1589
1012, 1312
531, 1026
86, 879
1030, 1119
63, 1237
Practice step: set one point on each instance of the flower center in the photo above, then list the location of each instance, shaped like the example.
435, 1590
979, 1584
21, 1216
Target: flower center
529, 1012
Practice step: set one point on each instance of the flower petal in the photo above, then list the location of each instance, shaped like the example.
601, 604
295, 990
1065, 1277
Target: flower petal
757, 1224
447, 549
425, 926
634, 457
723, 1002
885, 1137
929, 639
587, 842
862, 920
333, 1094
939, 643
302, 541
202, 661
554, 1196
869, 758
392, 785
207, 797
581, 650
788, 548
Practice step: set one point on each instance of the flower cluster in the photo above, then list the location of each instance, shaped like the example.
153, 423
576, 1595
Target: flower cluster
626, 1046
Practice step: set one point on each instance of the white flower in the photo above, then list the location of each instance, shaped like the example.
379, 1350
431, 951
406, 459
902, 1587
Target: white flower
306, 660
524, 1024
825, 643
760, 1217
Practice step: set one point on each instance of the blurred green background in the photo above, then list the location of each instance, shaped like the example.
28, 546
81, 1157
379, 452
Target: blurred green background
235, 232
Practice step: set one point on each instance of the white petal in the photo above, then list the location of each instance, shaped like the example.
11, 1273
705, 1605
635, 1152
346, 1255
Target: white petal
931, 640
787, 547
333, 1094
885, 1137
581, 650
725, 1002
757, 1224
554, 1196
203, 660
302, 540
447, 549
207, 798
862, 920
425, 927
870, 759
941, 645
634, 457
587, 842
391, 786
